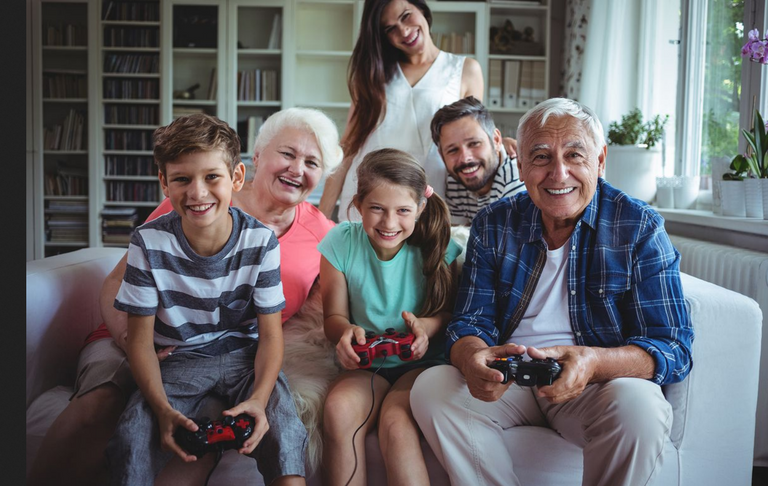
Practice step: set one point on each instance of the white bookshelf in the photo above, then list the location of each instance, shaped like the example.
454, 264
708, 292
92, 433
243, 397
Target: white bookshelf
310, 55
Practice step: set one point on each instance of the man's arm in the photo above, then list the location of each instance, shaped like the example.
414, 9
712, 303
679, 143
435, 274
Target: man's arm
583, 365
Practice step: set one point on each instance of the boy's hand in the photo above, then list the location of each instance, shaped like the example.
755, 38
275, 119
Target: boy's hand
347, 357
421, 340
164, 352
168, 422
255, 409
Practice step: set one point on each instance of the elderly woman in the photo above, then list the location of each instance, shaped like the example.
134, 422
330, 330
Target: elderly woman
295, 148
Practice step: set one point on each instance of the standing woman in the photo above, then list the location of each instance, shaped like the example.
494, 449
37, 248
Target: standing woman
398, 79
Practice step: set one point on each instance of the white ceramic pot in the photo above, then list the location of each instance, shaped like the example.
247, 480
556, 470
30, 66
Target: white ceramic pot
764, 192
633, 170
732, 199
686, 192
753, 198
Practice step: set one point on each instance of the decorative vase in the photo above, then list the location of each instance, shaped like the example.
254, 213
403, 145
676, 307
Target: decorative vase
720, 165
732, 199
764, 192
634, 169
686, 192
753, 198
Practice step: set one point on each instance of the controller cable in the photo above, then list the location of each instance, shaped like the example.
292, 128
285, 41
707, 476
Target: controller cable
219, 453
373, 395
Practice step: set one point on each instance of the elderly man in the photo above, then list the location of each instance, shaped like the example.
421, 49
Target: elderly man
479, 169
573, 270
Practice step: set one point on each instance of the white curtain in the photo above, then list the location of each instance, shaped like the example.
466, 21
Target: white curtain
610, 84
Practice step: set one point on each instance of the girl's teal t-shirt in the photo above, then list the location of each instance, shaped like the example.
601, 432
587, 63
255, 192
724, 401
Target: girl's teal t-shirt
379, 291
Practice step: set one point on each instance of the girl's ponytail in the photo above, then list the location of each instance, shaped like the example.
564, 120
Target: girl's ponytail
432, 235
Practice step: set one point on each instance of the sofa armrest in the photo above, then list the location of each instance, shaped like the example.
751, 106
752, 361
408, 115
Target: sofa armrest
714, 407
62, 308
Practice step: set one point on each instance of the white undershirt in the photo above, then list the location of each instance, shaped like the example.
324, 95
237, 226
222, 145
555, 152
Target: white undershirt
546, 322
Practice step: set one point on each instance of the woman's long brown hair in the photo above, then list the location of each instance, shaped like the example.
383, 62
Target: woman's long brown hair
372, 66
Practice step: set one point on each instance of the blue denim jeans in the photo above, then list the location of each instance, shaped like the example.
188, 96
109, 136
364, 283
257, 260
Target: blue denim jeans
134, 454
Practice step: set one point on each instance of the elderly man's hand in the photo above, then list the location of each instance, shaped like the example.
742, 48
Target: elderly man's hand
578, 363
484, 383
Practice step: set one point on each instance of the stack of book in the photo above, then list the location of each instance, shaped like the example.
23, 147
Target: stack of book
66, 221
67, 181
69, 135
117, 225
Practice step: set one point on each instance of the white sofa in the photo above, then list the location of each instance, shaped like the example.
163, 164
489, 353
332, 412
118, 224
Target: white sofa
714, 408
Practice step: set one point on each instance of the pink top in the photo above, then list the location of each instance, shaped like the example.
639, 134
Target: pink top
299, 258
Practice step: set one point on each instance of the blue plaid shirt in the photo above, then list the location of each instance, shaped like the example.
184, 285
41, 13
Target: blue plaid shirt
623, 278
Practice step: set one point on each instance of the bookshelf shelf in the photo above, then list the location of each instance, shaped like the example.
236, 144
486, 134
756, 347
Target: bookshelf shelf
65, 48
259, 52
138, 204
131, 101
305, 45
73, 244
130, 23
65, 100
130, 49
66, 198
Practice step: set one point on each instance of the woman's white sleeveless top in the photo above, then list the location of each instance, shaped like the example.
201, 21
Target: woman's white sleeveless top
406, 124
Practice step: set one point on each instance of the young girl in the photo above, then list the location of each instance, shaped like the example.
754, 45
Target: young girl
394, 269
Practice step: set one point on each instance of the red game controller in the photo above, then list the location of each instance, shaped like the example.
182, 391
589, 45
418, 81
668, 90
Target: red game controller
388, 344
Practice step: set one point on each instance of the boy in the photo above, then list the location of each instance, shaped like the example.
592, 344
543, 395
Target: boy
204, 278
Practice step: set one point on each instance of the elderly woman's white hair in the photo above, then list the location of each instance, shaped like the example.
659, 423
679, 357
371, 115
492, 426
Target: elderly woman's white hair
563, 107
316, 122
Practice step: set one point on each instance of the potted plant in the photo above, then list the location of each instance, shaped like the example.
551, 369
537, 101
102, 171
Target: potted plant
635, 156
752, 167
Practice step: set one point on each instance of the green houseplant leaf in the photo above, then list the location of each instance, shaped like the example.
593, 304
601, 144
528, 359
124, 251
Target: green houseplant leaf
632, 131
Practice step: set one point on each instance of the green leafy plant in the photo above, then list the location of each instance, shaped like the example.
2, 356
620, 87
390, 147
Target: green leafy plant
755, 161
632, 130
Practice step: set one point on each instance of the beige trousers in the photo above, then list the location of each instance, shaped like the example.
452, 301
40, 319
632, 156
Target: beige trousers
621, 425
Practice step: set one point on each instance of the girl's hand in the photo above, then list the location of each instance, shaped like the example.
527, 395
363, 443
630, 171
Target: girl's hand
421, 340
347, 357
255, 409
168, 421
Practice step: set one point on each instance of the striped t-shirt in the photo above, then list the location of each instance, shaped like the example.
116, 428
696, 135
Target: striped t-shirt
464, 204
197, 300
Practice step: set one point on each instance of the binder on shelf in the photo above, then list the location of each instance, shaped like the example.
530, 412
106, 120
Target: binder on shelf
539, 85
495, 79
274, 35
525, 98
212, 85
511, 90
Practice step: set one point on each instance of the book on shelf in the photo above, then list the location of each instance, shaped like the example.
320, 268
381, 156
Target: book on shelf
495, 79
525, 99
511, 90
254, 125
212, 85
275, 33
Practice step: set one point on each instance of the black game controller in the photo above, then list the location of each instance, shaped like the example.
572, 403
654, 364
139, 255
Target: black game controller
536, 372
220, 435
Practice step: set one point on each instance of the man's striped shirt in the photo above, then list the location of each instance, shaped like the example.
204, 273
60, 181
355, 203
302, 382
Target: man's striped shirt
464, 204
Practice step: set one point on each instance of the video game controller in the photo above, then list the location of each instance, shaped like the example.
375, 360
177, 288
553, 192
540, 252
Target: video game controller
220, 435
388, 344
536, 372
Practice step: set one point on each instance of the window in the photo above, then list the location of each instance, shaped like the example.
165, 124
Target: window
717, 88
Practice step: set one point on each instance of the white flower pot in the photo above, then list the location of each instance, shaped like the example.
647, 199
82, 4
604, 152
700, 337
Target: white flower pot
753, 198
633, 170
732, 198
764, 192
687, 192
